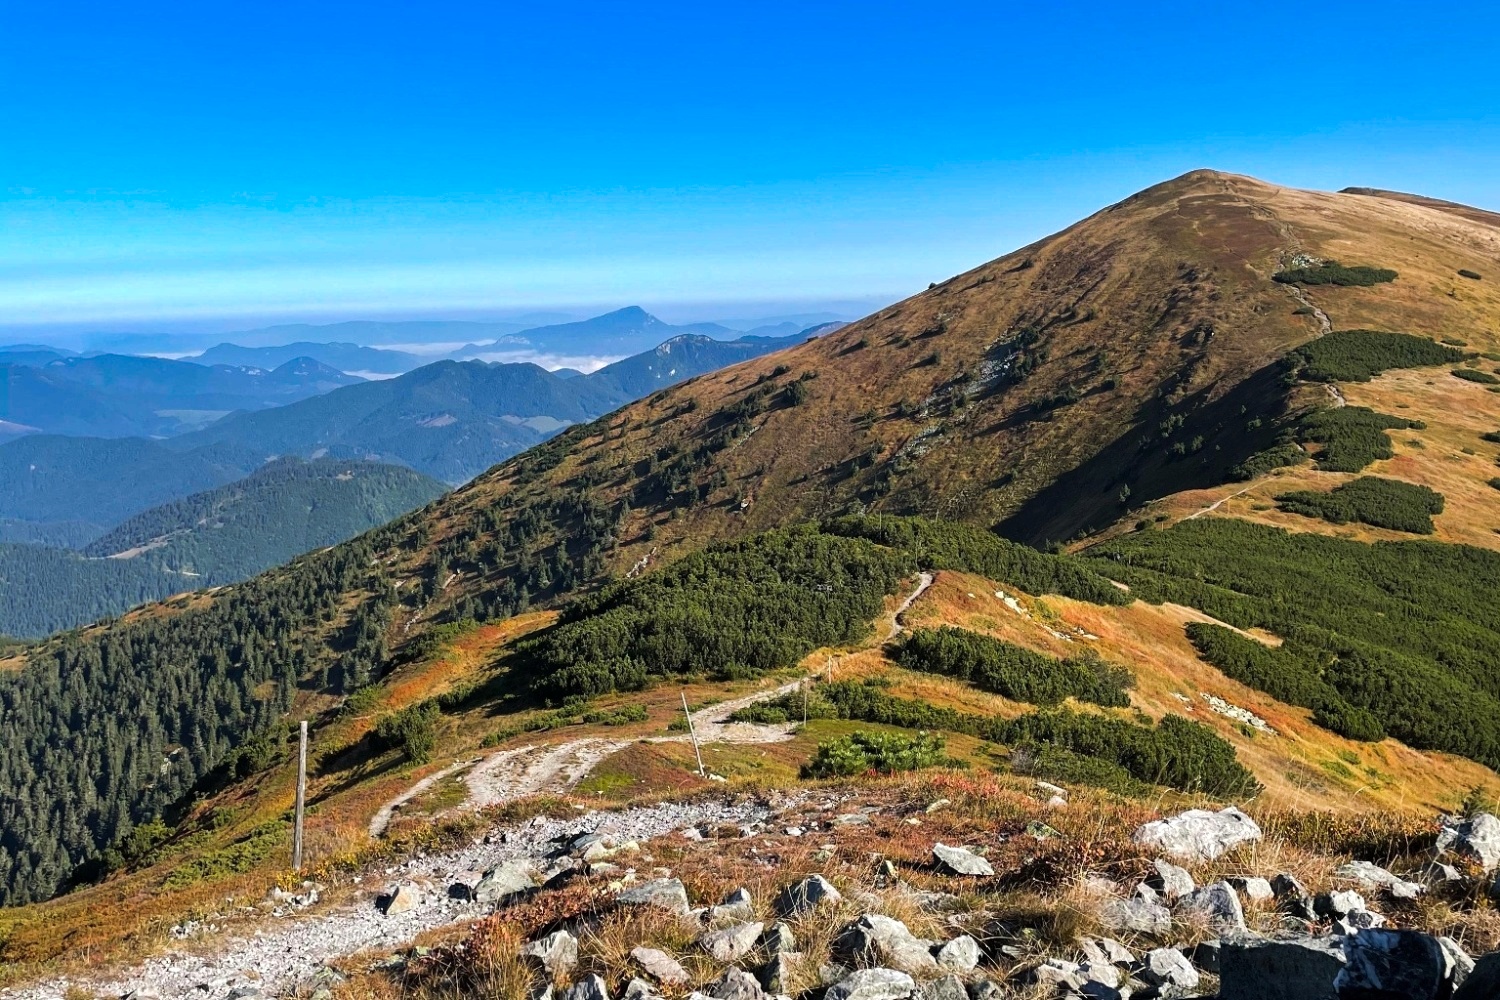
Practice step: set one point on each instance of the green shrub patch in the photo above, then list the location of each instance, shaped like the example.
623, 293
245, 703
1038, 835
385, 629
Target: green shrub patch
1384, 503
1360, 355
1011, 671
1352, 436
1331, 272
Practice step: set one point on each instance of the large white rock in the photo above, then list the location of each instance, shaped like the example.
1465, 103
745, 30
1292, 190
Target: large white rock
1198, 834
1477, 838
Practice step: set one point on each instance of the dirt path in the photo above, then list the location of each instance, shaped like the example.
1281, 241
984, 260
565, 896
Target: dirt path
273, 954
557, 767
1219, 503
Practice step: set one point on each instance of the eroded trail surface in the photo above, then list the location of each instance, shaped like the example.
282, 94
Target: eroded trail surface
557, 767
276, 955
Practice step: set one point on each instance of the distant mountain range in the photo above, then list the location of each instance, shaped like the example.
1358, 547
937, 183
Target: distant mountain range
207, 539
345, 357
116, 395
450, 420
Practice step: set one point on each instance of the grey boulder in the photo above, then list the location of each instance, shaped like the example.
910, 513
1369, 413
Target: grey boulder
1264, 969
805, 896
1199, 834
501, 883
961, 861
1476, 838
875, 939
556, 953
732, 943
1394, 965
659, 965
873, 984
1168, 967
1219, 905
1138, 915
959, 955
665, 894
1170, 880
590, 987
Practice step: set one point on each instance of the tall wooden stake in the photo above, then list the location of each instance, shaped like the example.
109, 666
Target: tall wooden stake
693, 735
301, 799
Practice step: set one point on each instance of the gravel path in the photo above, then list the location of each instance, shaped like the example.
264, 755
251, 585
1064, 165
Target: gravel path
276, 954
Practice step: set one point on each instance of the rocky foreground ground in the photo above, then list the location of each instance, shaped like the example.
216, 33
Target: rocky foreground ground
849, 896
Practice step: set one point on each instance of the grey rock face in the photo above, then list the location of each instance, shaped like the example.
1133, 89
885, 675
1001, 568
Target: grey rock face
1459, 962
737, 907
776, 974
1168, 967
1477, 839
590, 987
1199, 834
959, 955
1136, 915
804, 896
1255, 890
960, 861
873, 984
880, 940
499, 884
400, 900
1297, 969
732, 943
779, 938
1394, 965
1106, 951
736, 984
1170, 880
556, 953
947, 988
1376, 877
665, 894
1338, 904
639, 989
659, 965
1219, 905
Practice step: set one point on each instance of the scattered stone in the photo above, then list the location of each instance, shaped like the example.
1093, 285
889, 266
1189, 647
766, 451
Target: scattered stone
1338, 904
1199, 834
732, 943
1285, 885
659, 966
1264, 969
736, 984
1168, 967
1377, 877
1460, 965
1135, 915
1477, 838
590, 987
987, 989
499, 885
400, 900
948, 988
1394, 965
873, 984
804, 896
776, 974
1357, 920
959, 955
665, 894
961, 860
557, 953
1106, 951
1170, 880
779, 939
882, 940
736, 907
1220, 905
1253, 888
1041, 831
1436, 872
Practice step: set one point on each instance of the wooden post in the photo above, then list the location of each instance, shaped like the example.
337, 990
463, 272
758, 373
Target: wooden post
301, 798
693, 735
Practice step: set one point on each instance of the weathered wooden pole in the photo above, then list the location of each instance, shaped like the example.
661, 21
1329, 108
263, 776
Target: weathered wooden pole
301, 798
693, 735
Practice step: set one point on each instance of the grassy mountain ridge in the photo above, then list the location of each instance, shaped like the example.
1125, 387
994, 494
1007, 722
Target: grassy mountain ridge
1142, 348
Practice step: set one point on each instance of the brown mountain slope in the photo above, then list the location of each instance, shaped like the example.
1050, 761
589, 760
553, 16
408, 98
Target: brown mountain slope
1032, 390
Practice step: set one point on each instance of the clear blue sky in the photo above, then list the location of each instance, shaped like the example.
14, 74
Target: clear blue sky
200, 162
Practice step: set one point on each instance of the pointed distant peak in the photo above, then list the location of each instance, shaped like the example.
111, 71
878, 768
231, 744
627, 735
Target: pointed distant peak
630, 314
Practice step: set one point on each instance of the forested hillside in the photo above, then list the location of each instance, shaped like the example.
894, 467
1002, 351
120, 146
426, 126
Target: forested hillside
205, 540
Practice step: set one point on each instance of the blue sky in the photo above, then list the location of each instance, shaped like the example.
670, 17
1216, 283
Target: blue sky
179, 166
